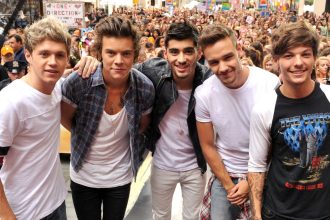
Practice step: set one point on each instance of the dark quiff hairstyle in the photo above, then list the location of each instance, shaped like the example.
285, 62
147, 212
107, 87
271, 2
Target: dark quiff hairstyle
291, 35
182, 31
116, 26
215, 32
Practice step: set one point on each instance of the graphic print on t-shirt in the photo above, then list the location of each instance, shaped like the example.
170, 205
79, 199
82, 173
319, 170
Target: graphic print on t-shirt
304, 136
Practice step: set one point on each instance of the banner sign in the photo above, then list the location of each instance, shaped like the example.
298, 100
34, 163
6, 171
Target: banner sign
70, 13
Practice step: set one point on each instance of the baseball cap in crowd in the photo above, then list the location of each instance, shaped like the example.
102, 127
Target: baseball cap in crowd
15, 66
151, 40
6, 49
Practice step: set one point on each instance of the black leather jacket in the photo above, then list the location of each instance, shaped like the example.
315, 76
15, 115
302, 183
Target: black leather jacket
159, 72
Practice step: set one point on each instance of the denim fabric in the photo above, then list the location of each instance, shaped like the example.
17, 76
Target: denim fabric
221, 208
58, 214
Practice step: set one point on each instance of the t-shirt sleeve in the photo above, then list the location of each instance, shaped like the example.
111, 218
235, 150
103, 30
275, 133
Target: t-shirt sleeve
201, 109
259, 146
69, 90
9, 124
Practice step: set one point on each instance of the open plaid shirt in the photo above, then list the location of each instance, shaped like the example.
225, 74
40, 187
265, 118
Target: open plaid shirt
205, 212
88, 96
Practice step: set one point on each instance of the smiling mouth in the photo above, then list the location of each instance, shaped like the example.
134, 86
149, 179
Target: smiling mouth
298, 72
225, 74
182, 67
51, 71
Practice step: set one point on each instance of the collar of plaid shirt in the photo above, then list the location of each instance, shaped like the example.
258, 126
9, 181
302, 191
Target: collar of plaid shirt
138, 99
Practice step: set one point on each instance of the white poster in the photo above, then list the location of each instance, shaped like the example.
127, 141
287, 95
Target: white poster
71, 13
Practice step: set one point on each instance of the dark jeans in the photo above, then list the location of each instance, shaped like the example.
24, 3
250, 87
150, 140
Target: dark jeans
58, 214
88, 201
268, 214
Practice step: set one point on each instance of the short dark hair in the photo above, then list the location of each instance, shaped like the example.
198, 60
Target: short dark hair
291, 35
116, 26
17, 38
182, 31
215, 32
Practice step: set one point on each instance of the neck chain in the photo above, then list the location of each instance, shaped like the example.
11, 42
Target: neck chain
180, 131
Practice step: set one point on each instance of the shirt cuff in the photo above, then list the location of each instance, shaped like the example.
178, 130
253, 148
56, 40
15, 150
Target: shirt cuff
68, 101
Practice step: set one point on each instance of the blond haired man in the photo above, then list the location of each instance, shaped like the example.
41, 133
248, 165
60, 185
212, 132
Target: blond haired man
31, 180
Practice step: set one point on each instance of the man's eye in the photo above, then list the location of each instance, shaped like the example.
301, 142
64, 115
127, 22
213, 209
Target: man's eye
213, 63
189, 52
307, 55
287, 56
43, 54
127, 54
60, 55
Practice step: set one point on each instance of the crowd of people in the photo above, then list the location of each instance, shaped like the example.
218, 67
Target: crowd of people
240, 92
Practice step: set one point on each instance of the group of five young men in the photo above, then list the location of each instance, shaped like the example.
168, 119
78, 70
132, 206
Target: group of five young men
177, 109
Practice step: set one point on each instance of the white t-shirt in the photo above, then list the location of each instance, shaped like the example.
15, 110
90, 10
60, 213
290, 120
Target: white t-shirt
108, 163
229, 111
31, 174
174, 149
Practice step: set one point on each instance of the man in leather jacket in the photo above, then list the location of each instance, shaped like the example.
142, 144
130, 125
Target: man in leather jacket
172, 135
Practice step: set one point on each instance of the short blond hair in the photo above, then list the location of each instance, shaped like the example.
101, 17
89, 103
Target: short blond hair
47, 28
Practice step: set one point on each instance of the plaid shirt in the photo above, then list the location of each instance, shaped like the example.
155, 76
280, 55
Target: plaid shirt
88, 96
205, 212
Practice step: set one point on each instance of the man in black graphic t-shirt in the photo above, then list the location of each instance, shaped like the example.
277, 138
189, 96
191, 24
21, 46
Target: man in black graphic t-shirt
290, 127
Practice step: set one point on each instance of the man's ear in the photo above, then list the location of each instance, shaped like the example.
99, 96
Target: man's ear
165, 54
27, 55
199, 53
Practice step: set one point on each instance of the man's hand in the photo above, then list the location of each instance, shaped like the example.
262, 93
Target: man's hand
66, 73
86, 66
239, 193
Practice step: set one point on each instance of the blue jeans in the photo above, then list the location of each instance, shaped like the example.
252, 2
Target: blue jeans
221, 208
58, 214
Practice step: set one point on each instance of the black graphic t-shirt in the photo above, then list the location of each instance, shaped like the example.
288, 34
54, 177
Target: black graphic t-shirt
297, 184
